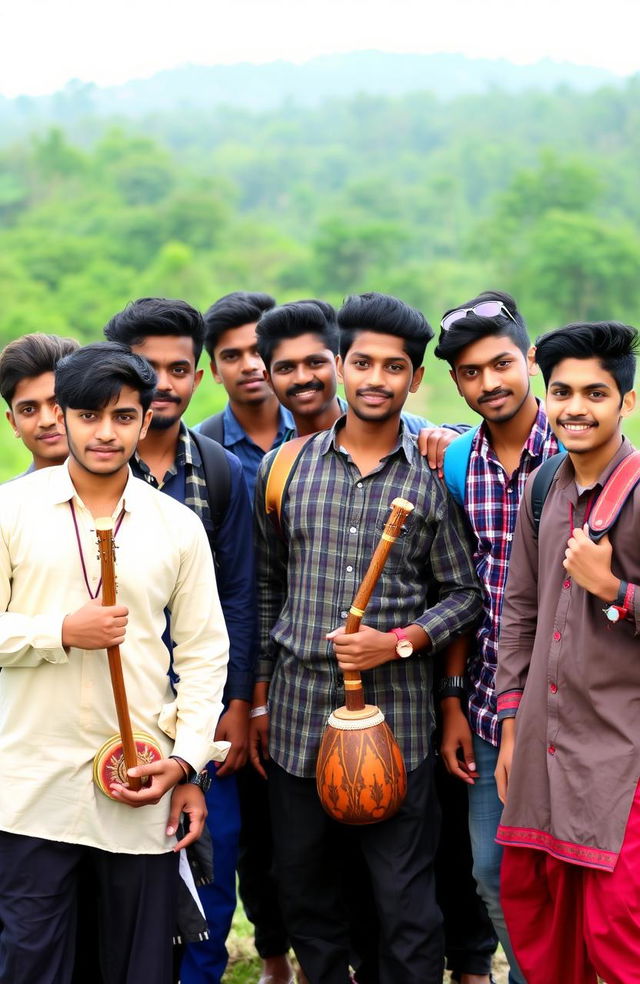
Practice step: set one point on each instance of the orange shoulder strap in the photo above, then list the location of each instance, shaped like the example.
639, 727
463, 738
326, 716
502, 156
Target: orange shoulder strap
282, 468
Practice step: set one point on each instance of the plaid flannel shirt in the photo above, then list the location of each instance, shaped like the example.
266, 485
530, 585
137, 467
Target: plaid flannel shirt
492, 499
332, 519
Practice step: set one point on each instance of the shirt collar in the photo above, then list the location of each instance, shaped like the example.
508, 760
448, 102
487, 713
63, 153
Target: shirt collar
534, 445
186, 453
234, 433
63, 490
331, 439
566, 473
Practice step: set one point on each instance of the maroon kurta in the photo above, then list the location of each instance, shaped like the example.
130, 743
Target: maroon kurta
574, 679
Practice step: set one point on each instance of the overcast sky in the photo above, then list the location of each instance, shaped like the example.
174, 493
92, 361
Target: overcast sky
44, 43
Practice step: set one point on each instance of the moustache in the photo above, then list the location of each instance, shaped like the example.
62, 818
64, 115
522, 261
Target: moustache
374, 391
494, 396
165, 398
304, 388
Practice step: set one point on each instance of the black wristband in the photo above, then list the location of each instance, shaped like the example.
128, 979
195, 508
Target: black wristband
452, 687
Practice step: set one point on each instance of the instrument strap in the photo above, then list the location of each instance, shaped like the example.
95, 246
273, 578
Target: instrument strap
81, 551
282, 468
615, 493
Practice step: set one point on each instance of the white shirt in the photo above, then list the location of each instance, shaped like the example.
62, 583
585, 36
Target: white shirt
57, 707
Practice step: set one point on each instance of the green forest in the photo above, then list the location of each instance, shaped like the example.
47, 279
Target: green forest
428, 198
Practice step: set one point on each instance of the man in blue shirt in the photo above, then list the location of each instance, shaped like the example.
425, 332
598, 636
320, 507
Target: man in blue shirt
170, 334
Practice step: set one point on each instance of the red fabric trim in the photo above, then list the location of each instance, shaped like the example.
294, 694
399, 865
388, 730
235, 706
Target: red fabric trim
509, 701
588, 857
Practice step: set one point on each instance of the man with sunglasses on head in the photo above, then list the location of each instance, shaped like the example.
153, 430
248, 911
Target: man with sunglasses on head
491, 363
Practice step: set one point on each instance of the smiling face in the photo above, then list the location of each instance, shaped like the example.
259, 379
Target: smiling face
173, 359
33, 418
378, 375
585, 407
237, 365
101, 442
493, 377
303, 375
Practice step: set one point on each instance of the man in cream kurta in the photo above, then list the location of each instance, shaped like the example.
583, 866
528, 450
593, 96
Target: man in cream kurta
56, 701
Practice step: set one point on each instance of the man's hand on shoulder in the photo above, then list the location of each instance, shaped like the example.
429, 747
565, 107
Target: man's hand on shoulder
432, 444
95, 626
233, 726
364, 649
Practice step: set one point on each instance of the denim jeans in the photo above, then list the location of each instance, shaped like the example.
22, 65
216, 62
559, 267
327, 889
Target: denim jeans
485, 810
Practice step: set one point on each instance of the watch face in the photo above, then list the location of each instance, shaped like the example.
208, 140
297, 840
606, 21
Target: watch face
612, 613
404, 648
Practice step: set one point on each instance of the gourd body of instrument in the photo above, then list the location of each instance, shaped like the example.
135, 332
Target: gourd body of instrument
126, 749
360, 774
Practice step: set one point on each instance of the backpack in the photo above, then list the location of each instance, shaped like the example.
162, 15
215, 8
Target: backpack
217, 475
285, 461
213, 427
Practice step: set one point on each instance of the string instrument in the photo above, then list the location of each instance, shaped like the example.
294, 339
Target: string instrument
128, 748
360, 773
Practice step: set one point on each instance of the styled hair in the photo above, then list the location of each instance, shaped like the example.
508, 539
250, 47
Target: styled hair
473, 327
615, 345
385, 315
232, 311
94, 375
152, 316
294, 319
31, 356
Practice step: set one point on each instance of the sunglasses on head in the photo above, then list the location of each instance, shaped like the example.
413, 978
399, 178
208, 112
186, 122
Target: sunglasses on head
484, 309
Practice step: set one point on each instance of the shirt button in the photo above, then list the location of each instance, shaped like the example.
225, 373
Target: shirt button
551, 749
553, 687
509, 537
509, 491
359, 485
349, 569
557, 636
566, 584
353, 529
344, 614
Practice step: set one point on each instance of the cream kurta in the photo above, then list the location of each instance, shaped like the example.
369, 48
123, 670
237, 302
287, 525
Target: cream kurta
57, 708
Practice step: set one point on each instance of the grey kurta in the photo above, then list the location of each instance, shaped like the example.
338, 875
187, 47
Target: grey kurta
574, 679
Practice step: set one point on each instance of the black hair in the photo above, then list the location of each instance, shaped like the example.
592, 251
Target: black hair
152, 316
294, 319
385, 315
614, 344
31, 356
232, 311
93, 376
473, 327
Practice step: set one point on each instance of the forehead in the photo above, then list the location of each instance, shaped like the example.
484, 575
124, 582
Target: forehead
165, 349
578, 373
379, 346
35, 389
242, 337
297, 349
486, 349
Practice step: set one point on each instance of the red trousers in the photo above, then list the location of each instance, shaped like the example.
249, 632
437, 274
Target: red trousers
567, 923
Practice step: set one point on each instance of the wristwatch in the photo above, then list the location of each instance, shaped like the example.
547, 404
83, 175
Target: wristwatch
202, 779
404, 648
452, 686
623, 604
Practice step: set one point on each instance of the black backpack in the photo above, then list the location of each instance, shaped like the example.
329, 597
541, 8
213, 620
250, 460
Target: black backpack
217, 475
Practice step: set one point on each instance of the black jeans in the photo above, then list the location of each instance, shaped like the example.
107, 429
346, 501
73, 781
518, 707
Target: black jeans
399, 855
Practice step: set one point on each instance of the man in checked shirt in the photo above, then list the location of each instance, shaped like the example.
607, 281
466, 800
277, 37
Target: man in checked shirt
336, 505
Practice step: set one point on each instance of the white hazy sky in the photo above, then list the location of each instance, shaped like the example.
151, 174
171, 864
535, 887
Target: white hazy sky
44, 43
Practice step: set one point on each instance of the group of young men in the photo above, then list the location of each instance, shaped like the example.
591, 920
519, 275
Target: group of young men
231, 632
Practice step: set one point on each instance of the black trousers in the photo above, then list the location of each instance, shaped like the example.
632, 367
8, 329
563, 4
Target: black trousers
399, 855
470, 940
38, 907
256, 879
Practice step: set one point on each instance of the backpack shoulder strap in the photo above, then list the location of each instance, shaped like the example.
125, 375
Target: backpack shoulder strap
615, 493
456, 464
541, 485
217, 475
284, 464
213, 427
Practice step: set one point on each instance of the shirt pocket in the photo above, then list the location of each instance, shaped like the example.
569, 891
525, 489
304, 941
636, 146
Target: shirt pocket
400, 552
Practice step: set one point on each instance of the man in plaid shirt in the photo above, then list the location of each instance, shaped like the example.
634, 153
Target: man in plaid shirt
487, 347
336, 505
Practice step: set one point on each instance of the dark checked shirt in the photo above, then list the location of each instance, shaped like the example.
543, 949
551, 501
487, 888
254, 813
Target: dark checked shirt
572, 679
185, 481
332, 518
492, 499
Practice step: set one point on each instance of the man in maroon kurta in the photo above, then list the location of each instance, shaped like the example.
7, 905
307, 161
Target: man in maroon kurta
570, 677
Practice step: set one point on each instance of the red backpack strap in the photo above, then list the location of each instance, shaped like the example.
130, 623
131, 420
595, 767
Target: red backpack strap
282, 468
615, 493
